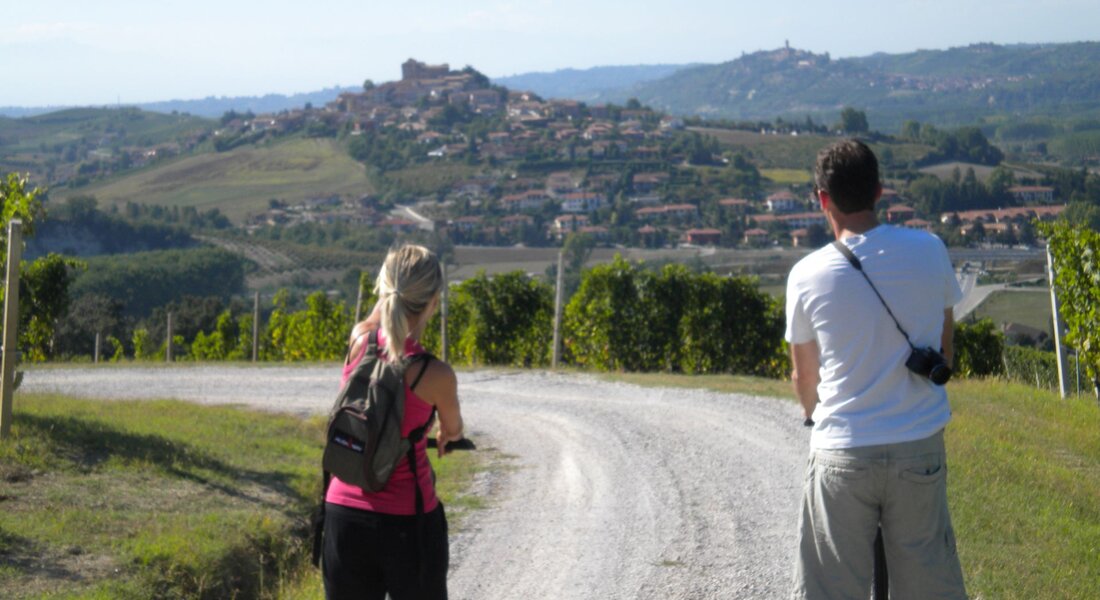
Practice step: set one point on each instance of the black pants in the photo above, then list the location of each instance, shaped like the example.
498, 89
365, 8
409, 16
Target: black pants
368, 554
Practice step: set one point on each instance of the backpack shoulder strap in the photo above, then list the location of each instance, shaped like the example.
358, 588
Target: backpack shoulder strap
424, 358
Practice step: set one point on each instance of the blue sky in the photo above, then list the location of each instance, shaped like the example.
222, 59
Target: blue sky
66, 52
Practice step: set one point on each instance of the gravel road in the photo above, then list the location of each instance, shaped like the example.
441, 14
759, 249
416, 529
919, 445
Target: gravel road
613, 490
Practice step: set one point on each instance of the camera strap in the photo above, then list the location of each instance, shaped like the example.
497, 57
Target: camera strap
839, 245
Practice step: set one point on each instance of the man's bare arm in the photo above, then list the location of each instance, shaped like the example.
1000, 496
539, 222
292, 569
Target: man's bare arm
806, 374
947, 339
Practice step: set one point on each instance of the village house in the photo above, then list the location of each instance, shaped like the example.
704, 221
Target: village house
737, 206
599, 232
920, 224
466, 224
649, 236
1032, 194
783, 201
529, 200
889, 197
429, 137
1016, 214
800, 237
756, 237
643, 183
577, 202
566, 109
682, 212
598, 131
899, 213
703, 237
399, 225
474, 188
412, 70
566, 224
516, 222
792, 220
561, 182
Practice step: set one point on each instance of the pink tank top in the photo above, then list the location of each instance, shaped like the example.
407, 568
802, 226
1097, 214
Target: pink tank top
399, 496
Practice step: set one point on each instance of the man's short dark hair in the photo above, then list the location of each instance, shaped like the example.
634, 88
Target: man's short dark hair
848, 172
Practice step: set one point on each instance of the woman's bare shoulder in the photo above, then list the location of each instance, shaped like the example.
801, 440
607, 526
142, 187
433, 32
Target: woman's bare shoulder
438, 381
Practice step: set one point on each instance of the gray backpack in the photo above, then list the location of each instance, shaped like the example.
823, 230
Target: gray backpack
364, 444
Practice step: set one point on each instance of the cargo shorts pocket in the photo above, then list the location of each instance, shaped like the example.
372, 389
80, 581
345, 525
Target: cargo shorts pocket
928, 474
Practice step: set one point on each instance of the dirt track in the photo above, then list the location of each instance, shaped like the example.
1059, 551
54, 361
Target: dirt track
614, 491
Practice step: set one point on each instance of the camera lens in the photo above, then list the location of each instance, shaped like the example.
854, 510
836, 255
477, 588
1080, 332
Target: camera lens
939, 374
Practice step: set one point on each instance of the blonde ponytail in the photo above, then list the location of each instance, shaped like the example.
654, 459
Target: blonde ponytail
408, 281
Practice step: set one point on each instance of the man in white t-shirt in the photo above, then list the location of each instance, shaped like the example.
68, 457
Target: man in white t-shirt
876, 450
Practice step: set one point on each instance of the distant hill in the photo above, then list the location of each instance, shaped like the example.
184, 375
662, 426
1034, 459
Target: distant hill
586, 84
81, 143
212, 106
947, 87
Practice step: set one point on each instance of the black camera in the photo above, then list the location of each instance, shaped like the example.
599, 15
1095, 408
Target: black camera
929, 363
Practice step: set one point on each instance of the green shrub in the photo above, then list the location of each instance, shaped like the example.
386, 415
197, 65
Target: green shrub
1031, 366
626, 317
978, 349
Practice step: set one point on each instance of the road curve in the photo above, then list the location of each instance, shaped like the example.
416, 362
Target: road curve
611, 490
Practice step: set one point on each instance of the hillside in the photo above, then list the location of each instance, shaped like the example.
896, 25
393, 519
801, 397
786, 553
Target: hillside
586, 84
946, 87
240, 181
211, 106
77, 143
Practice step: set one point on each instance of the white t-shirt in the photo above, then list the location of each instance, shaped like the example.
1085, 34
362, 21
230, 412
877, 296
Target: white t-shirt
867, 395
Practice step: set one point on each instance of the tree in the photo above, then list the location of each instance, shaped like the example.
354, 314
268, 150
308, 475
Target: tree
1076, 253
852, 121
44, 283
368, 85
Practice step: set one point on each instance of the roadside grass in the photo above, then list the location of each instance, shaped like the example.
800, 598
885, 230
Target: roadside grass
166, 499
1025, 482
726, 384
1025, 490
239, 181
1029, 307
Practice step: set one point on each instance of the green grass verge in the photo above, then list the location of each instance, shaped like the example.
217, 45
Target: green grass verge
1025, 483
164, 499
1025, 491
240, 181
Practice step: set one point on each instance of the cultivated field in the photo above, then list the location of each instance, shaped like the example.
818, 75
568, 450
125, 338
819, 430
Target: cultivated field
785, 151
240, 181
1029, 307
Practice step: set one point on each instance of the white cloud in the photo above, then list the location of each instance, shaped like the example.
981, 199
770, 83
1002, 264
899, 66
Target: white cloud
29, 33
501, 17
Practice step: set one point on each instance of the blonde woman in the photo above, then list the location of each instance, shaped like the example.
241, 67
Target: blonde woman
375, 543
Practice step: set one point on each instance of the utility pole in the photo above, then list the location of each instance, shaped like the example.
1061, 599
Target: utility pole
558, 292
443, 316
95, 358
1059, 326
11, 325
168, 340
256, 327
359, 295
